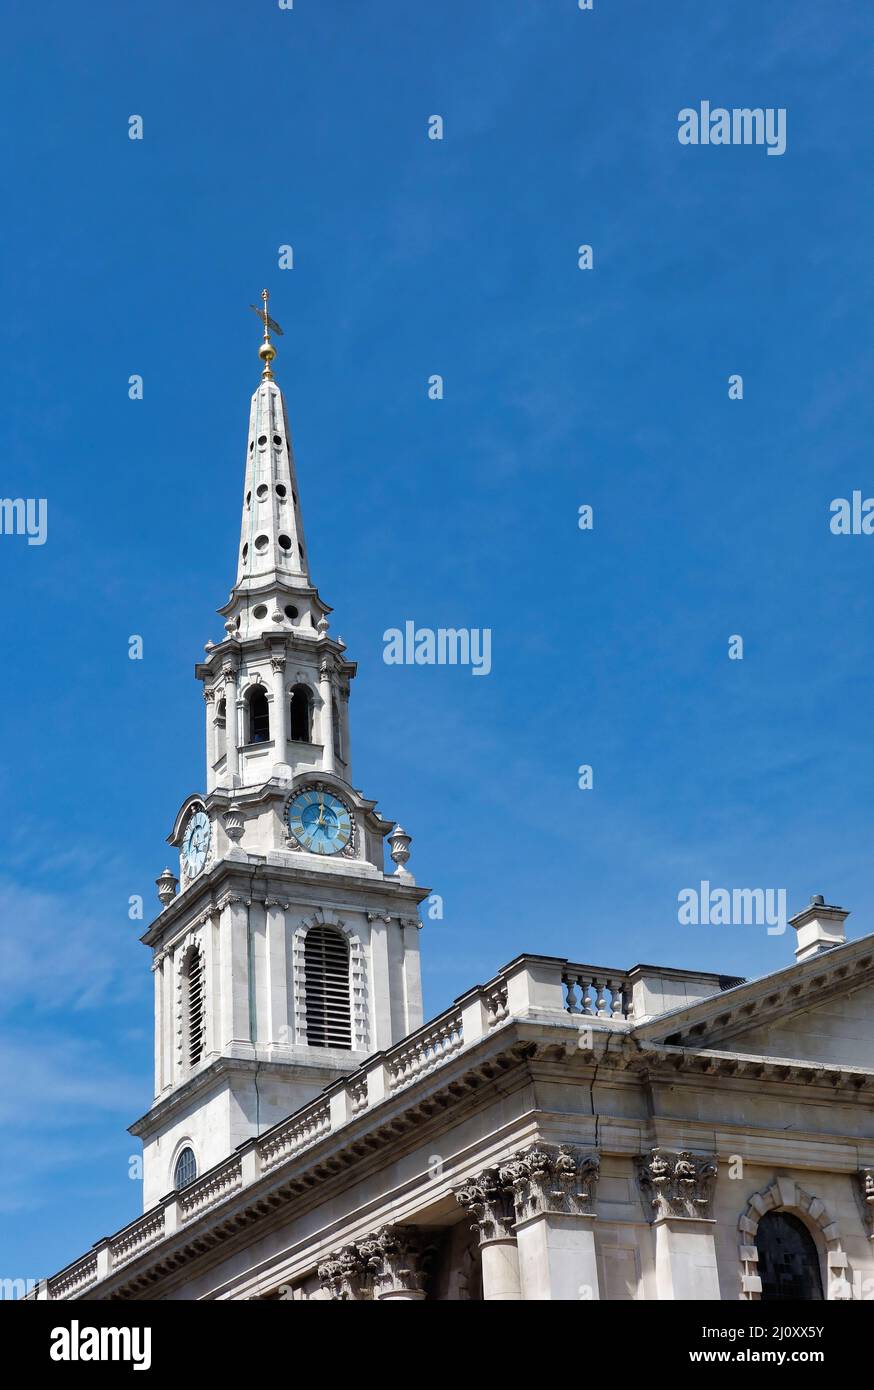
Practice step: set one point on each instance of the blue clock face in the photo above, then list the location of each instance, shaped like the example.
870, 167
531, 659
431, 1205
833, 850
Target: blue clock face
195, 843
319, 821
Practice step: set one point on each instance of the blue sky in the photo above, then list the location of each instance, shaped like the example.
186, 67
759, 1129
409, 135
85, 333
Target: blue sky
562, 387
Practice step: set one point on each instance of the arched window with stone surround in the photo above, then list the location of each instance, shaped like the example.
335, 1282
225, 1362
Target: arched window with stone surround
328, 999
301, 715
185, 1170
258, 715
788, 1259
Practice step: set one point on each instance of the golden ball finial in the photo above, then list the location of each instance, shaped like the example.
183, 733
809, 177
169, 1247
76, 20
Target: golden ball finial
267, 352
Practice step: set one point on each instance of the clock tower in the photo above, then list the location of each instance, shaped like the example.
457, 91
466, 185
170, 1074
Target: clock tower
285, 952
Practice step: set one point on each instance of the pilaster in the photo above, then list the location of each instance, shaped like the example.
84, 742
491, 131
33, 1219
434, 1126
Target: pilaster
554, 1189
677, 1187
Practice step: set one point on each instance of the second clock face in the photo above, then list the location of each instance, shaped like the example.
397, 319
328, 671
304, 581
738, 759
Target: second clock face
319, 821
195, 843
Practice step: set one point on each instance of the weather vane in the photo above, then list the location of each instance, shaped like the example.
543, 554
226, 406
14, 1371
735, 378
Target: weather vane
266, 351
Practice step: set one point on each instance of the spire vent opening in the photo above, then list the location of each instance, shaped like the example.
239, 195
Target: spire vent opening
285, 542
281, 491
262, 440
262, 542
261, 491
277, 440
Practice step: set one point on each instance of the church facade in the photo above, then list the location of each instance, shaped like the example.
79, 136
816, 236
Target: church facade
563, 1131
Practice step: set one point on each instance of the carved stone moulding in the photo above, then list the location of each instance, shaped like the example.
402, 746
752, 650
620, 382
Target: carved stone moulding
865, 1187
555, 1179
392, 1260
677, 1182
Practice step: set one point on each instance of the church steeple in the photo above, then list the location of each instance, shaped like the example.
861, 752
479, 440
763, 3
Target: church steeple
290, 951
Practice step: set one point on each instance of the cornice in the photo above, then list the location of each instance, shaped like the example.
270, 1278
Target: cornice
181, 1096
671, 1059
254, 879
795, 989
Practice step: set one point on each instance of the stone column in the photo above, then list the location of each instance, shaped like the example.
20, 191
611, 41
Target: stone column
554, 1197
489, 1198
280, 710
677, 1187
396, 1257
209, 698
326, 718
232, 723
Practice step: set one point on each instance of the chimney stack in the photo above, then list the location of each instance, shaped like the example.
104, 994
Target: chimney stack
819, 927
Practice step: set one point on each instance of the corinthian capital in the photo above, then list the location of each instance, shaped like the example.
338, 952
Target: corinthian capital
489, 1199
396, 1258
552, 1178
677, 1183
343, 1274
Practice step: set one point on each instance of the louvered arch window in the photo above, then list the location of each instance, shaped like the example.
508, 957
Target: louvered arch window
194, 1006
185, 1170
326, 966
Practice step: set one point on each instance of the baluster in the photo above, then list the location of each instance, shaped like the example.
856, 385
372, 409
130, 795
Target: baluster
615, 988
601, 1002
585, 988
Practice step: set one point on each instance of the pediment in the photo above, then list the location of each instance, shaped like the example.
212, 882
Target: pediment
821, 1010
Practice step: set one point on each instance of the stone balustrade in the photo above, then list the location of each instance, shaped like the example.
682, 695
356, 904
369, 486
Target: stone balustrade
75, 1279
425, 1050
134, 1239
296, 1133
215, 1186
532, 986
597, 993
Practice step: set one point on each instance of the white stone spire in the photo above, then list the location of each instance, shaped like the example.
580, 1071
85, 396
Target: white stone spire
273, 588
272, 548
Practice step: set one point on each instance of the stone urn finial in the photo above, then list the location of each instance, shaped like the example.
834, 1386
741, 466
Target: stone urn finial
167, 883
233, 820
400, 843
